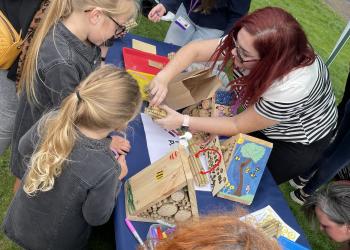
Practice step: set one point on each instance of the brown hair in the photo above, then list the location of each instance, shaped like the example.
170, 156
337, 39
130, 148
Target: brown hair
206, 6
218, 232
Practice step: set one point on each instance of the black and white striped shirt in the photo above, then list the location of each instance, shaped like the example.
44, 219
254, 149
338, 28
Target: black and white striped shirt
304, 104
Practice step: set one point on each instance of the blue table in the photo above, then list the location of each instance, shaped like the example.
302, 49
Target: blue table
268, 192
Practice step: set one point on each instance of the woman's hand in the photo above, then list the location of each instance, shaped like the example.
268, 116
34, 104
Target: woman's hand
123, 166
158, 90
121, 145
156, 13
173, 120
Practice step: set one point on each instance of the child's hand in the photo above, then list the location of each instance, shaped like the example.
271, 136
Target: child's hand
123, 166
173, 120
156, 13
121, 145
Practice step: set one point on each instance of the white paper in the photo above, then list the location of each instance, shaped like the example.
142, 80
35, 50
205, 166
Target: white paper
265, 214
159, 141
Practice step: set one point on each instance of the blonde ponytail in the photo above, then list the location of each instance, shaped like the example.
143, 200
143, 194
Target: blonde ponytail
58, 10
107, 99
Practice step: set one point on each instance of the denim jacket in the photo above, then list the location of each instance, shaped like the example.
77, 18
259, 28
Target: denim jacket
83, 196
63, 62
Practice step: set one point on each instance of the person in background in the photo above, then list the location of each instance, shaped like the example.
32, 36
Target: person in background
331, 207
72, 178
282, 85
334, 159
24, 15
199, 20
64, 51
218, 232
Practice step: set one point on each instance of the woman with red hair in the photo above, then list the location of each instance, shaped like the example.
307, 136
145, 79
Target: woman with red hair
282, 84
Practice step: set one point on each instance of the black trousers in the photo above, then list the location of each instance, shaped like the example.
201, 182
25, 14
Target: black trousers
345, 99
288, 160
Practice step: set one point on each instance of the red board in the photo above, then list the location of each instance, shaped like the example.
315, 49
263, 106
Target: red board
139, 61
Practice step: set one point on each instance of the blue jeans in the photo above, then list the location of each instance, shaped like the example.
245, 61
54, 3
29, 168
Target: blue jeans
335, 158
180, 37
8, 109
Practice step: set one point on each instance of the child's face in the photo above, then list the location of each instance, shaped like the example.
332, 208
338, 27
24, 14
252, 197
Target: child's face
104, 27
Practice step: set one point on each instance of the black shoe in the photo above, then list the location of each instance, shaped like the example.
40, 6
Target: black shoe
299, 196
298, 182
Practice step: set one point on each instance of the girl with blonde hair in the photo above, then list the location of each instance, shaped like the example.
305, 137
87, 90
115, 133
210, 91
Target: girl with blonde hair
65, 49
73, 178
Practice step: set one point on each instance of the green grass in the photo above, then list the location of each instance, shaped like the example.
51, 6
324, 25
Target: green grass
323, 28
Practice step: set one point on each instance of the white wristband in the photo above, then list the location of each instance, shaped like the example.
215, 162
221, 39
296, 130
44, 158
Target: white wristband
186, 121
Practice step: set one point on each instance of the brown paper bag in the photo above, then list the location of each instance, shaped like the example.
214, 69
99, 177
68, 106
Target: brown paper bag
191, 87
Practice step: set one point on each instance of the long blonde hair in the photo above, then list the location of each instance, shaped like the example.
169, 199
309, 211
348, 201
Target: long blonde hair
61, 9
107, 99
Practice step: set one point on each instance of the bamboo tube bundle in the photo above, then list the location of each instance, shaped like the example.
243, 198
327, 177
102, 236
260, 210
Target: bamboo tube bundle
155, 112
271, 227
196, 166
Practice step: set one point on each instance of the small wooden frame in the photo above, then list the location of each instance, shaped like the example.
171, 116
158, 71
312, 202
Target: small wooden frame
154, 193
245, 168
155, 112
155, 64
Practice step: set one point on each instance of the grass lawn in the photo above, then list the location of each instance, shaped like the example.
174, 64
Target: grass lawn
323, 27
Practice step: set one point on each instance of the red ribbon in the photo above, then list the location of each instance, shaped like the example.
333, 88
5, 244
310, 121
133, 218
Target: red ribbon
215, 165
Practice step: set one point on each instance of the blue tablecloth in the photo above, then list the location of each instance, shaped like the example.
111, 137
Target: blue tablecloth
268, 192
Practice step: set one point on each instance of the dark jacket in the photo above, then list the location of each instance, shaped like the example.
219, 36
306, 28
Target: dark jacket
222, 16
83, 196
20, 13
63, 62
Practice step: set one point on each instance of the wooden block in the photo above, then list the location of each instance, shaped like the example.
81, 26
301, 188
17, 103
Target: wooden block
178, 196
155, 64
145, 47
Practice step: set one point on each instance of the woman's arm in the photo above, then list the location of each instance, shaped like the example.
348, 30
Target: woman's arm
246, 122
197, 51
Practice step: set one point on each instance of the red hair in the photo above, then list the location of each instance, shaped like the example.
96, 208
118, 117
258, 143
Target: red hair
281, 43
224, 231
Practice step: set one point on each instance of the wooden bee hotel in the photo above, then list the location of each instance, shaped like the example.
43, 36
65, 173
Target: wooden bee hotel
162, 191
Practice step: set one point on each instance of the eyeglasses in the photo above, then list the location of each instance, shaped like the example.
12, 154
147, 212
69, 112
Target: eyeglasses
121, 30
239, 53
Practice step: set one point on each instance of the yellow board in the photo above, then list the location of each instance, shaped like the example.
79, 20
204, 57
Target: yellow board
143, 79
145, 47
